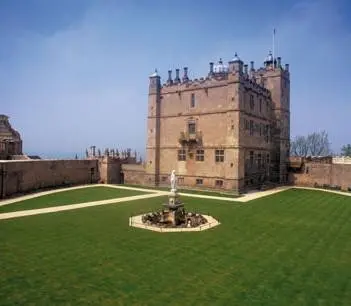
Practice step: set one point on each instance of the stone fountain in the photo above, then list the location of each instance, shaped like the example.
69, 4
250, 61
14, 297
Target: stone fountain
173, 214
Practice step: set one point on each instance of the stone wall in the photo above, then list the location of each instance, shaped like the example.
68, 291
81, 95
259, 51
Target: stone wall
110, 170
323, 174
134, 174
24, 176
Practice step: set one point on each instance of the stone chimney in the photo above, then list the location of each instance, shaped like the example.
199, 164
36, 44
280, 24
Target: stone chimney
185, 76
252, 66
169, 81
279, 62
246, 70
211, 69
177, 79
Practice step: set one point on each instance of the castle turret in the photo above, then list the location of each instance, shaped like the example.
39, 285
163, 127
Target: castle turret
277, 81
153, 128
236, 64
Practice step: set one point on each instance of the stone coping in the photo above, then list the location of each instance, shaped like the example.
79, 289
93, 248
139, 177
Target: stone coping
136, 221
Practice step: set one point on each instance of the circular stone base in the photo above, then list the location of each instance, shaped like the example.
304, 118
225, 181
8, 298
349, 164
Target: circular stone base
136, 221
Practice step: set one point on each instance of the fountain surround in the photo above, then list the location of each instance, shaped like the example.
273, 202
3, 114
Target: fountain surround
173, 215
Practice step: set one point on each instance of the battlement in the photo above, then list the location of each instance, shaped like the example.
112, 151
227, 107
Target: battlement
221, 74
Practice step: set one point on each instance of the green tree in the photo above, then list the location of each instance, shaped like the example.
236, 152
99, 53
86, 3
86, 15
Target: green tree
346, 150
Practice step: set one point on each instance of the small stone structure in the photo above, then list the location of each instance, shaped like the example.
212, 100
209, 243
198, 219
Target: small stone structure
10, 140
173, 216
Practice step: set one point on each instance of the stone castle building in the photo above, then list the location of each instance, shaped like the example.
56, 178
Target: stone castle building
10, 140
229, 130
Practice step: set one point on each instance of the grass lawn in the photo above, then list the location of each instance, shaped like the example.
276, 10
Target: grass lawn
292, 248
192, 191
75, 196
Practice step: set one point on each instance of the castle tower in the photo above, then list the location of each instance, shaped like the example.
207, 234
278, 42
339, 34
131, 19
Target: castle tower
277, 81
153, 130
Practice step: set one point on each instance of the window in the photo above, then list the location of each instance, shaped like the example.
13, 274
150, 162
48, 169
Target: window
252, 102
251, 128
261, 128
267, 159
192, 100
267, 133
191, 127
219, 183
260, 105
219, 156
199, 181
259, 161
180, 180
247, 124
181, 155
200, 155
251, 158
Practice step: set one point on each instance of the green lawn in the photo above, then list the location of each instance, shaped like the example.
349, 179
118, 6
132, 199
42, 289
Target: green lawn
292, 248
70, 197
192, 191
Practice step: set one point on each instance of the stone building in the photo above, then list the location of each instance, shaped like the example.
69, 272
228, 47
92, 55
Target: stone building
10, 140
229, 130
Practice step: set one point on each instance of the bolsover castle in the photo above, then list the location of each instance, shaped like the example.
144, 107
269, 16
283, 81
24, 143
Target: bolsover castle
229, 129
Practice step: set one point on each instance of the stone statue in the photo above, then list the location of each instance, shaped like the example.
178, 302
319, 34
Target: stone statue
173, 181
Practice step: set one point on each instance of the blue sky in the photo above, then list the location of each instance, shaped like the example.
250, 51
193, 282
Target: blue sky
75, 72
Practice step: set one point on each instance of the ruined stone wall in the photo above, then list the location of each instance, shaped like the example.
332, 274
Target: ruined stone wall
29, 175
323, 174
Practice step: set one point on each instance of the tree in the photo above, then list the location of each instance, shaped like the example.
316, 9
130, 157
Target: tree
319, 144
346, 150
299, 146
315, 144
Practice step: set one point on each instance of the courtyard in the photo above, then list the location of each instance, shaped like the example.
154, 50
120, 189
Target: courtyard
287, 248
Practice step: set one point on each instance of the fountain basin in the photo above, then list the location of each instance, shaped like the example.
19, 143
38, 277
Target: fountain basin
137, 221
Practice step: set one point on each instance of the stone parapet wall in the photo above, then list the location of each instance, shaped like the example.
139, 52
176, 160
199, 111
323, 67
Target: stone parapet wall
134, 174
24, 176
342, 160
323, 174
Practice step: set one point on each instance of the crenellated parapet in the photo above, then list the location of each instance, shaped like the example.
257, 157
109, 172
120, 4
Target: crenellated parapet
221, 74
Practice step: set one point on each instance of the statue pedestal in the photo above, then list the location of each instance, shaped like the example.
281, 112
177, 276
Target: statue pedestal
174, 212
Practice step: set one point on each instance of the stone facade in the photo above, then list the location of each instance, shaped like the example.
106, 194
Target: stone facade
10, 140
229, 130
